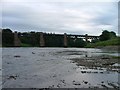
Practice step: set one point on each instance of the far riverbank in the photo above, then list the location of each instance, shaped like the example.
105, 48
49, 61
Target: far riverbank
113, 48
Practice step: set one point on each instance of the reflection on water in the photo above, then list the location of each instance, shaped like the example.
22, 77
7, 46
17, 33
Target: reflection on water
53, 68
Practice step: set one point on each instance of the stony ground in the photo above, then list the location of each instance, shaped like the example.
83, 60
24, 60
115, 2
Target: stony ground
104, 61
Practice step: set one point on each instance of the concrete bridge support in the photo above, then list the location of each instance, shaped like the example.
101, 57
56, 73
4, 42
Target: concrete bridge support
17, 41
86, 37
42, 42
65, 40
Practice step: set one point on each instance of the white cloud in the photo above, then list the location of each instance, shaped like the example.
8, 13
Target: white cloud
61, 0
69, 16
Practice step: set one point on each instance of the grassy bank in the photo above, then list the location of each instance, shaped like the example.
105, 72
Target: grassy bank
111, 42
25, 45
116, 57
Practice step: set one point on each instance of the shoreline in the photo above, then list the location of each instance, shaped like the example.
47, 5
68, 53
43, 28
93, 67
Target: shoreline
113, 48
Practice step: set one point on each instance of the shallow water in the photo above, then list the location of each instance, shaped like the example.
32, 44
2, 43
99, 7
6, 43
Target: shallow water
52, 67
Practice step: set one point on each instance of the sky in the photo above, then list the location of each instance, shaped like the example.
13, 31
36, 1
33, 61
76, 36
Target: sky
60, 16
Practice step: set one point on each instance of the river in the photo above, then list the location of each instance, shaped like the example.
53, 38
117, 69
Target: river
53, 68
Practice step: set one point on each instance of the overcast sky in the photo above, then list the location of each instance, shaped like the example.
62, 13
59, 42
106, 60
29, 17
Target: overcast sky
60, 16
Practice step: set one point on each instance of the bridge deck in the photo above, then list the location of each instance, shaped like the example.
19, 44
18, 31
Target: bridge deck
74, 35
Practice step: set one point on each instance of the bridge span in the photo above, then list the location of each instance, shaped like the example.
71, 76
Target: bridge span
17, 41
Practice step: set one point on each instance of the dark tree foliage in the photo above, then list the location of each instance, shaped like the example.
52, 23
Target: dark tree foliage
79, 43
112, 34
7, 37
106, 35
76, 42
52, 40
31, 38
70, 41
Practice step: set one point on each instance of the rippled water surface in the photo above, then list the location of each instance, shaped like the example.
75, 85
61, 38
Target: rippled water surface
52, 68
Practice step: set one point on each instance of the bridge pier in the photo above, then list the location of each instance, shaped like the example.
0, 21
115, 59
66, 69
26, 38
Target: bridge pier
17, 41
42, 42
86, 37
65, 40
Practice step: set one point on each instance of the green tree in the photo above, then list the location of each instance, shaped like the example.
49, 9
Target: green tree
106, 35
112, 34
7, 37
79, 43
76, 42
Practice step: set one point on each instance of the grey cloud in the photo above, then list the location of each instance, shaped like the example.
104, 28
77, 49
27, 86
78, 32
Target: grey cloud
52, 18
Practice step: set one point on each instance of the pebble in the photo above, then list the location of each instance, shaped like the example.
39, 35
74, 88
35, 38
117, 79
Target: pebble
102, 82
58, 85
16, 56
83, 71
12, 77
85, 82
76, 83
33, 53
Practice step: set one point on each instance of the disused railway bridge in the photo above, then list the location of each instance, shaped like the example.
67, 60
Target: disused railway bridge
17, 41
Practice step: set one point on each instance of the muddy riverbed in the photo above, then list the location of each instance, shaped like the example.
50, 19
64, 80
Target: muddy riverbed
59, 68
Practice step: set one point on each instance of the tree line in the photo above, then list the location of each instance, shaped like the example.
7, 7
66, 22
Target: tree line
32, 39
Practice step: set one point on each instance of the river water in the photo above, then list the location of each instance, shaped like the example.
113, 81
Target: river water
52, 68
